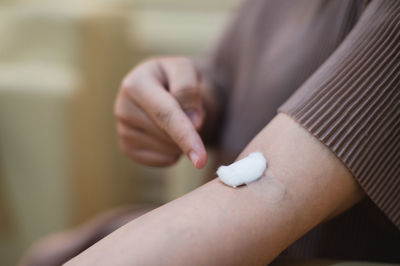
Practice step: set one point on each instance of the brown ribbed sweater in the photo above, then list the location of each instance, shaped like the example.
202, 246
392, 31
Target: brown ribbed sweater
334, 67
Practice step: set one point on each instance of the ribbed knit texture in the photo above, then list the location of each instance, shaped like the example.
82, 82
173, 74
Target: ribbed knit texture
352, 104
338, 63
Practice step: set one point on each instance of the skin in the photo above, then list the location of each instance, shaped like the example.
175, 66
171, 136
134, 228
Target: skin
219, 225
161, 105
160, 108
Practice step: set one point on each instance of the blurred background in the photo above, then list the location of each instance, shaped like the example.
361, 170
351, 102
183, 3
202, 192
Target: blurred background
61, 63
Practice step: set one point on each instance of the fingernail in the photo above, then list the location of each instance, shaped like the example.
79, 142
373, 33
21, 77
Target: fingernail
193, 116
193, 157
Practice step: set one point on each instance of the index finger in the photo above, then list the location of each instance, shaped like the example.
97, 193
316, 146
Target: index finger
166, 112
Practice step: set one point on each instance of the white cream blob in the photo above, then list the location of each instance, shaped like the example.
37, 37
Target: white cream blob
243, 171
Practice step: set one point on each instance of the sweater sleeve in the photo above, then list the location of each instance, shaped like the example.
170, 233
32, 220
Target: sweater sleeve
352, 104
219, 67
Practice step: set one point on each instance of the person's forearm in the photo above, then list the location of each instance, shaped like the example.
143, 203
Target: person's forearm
250, 225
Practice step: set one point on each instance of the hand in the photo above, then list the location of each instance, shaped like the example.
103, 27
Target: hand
159, 109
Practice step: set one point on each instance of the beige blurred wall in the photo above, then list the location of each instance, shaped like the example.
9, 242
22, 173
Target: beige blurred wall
60, 66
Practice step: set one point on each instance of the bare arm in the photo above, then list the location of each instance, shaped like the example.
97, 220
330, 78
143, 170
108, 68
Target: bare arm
219, 225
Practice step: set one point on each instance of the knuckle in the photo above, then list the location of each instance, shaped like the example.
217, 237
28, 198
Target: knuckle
129, 81
119, 110
184, 61
189, 65
125, 118
116, 111
121, 106
126, 115
132, 81
130, 89
124, 134
126, 138
188, 95
187, 91
150, 62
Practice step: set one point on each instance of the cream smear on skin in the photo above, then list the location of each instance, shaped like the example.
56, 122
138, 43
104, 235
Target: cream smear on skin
244, 171
250, 169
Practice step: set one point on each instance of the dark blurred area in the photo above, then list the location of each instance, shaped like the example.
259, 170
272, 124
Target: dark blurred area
61, 63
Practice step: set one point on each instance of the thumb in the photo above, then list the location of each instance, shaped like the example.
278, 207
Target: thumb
195, 114
184, 85
190, 100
